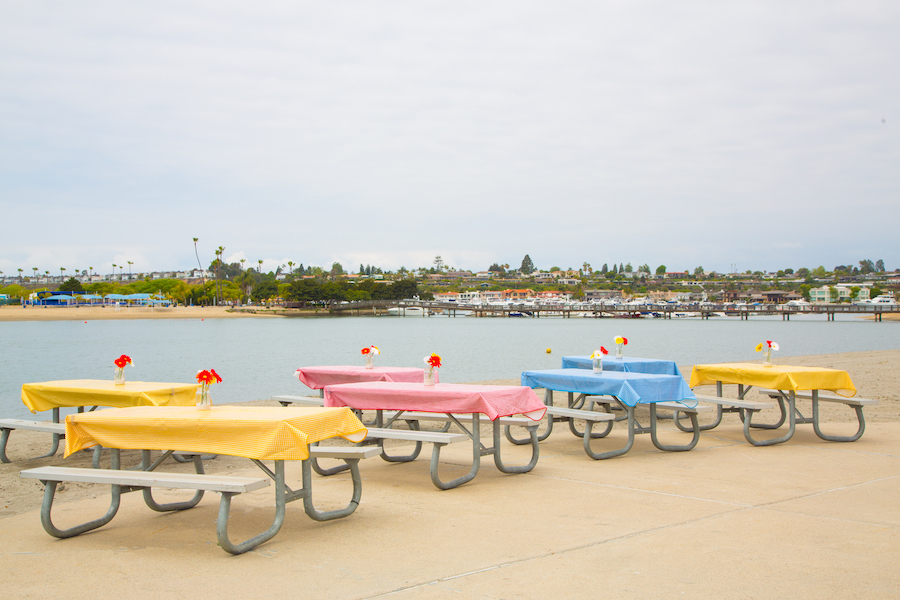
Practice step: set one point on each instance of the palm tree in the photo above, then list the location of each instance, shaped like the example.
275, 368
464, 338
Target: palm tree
259, 269
219, 254
291, 265
20, 275
90, 273
114, 272
202, 273
61, 269
129, 270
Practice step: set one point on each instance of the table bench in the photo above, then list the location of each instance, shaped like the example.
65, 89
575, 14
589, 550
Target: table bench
302, 400
126, 480
730, 405
856, 403
8, 425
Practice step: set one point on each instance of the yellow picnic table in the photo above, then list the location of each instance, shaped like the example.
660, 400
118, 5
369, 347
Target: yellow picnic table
784, 381
258, 433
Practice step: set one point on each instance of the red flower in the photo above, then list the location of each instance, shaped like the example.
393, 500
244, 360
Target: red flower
208, 377
122, 361
433, 361
625, 341
366, 350
604, 350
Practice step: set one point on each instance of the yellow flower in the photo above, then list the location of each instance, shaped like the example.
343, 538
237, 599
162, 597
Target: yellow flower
759, 347
620, 339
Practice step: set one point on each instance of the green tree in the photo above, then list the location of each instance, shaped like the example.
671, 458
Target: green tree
266, 290
71, 285
661, 270
866, 266
879, 266
527, 266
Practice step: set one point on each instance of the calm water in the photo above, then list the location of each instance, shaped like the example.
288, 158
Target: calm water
256, 357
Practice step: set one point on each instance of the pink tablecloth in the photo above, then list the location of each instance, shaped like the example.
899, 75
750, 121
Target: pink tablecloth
319, 377
490, 400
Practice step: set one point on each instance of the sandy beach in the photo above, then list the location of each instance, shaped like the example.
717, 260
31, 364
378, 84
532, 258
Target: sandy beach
94, 313
726, 520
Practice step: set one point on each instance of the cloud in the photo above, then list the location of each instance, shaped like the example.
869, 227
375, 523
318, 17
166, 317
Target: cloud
388, 134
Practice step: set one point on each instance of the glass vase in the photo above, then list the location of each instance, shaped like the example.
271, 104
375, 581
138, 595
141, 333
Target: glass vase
620, 350
598, 365
768, 355
370, 361
205, 402
430, 376
119, 378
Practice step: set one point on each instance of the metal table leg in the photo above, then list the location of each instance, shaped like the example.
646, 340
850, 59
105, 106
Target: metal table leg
632, 424
837, 438
792, 424
475, 434
672, 448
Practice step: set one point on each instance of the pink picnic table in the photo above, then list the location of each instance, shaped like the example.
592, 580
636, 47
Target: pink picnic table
318, 377
461, 404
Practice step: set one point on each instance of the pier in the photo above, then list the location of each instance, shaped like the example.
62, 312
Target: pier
428, 308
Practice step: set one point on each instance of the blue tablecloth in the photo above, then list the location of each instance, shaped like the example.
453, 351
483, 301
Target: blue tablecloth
630, 388
626, 363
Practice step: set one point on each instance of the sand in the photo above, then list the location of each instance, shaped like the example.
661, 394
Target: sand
85, 313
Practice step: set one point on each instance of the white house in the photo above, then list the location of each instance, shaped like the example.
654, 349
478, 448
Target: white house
844, 294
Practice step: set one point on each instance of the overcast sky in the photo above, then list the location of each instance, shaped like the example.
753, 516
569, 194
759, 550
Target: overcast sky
729, 135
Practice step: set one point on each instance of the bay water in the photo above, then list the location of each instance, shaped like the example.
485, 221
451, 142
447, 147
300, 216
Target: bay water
256, 357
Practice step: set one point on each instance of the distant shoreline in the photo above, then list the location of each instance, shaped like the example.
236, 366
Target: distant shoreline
97, 313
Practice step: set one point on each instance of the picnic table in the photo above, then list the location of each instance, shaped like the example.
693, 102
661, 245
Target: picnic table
412, 402
83, 393
627, 390
785, 383
630, 364
257, 433
318, 377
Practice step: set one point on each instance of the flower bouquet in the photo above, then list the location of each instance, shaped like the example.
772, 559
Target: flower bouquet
621, 342
205, 378
597, 358
370, 353
120, 363
433, 362
766, 348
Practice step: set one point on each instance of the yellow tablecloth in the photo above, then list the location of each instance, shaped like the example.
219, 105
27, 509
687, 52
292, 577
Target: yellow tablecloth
779, 377
264, 433
99, 392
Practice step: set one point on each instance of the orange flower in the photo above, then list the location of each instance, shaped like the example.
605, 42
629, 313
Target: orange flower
433, 361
